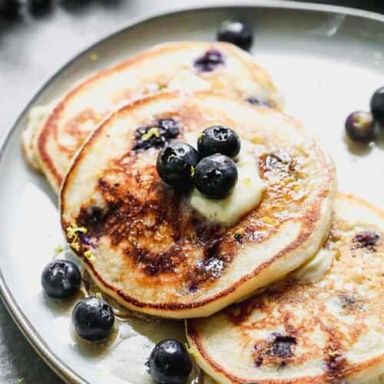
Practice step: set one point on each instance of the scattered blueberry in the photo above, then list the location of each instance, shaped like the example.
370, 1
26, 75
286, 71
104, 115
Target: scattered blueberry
93, 319
360, 126
61, 279
209, 61
218, 139
39, 6
215, 176
175, 165
236, 33
9, 8
169, 363
377, 106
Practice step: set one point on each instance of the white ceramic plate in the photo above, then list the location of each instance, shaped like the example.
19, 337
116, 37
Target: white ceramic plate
326, 61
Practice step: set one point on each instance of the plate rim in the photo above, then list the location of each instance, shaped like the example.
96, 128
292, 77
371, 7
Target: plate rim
20, 319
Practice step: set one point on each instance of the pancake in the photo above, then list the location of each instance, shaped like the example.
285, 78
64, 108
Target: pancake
51, 142
329, 330
146, 247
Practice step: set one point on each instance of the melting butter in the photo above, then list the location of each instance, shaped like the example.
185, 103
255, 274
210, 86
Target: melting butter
245, 197
315, 269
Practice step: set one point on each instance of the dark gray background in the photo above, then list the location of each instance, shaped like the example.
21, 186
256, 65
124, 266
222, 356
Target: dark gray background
32, 48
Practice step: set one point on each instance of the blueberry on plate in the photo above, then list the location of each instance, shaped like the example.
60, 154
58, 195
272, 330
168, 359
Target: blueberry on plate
61, 279
218, 139
175, 164
169, 363
236, 33
93, 319
377, 106
215, 176
360, 126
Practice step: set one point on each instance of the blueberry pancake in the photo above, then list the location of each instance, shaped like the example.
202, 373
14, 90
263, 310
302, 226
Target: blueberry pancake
180, 254
323, 324
56, 132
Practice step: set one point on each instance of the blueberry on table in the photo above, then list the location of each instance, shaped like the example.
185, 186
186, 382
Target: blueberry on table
9, 8
215, 176
360, 126
93, 319
169, 363
377, 106
39, 5
237, 33
218, 139
175, 165
61, 279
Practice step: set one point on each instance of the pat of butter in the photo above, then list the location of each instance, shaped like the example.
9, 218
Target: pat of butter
185, 80
245, 197
315, 269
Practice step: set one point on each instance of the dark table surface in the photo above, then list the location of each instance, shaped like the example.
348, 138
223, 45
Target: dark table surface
32, 48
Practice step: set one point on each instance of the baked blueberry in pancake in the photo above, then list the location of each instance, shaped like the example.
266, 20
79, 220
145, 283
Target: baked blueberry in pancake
322, 324
180, 254
56, 132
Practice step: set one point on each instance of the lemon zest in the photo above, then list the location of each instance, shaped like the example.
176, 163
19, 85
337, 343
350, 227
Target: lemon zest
58, 249
152, 132
89, 255
191, 351
247, 181
75, 245
93, 57
73, 230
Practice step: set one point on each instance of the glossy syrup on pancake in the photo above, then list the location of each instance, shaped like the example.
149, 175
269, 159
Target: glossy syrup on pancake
326, 331
143, 243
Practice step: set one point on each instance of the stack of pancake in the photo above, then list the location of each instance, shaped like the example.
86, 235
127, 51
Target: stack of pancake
289, 293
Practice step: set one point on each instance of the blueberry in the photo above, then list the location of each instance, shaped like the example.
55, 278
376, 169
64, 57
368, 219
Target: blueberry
61, 279
236, 33
218, 139
215, 176
377, 106
260, 101
9, 8
39, 6
93, 319
170, 126
360, 126
175, 164
209, 61
156, 135
169, 363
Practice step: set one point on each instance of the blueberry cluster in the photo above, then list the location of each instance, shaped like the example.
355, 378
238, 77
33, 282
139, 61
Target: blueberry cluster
12, 8
92, 317
362, 126
93, 320
210, 168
